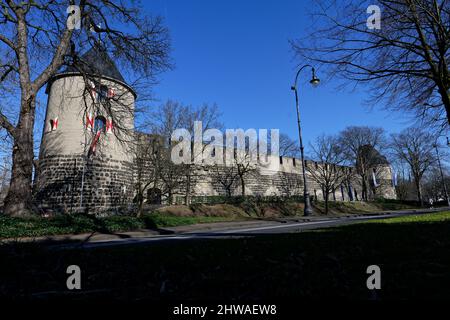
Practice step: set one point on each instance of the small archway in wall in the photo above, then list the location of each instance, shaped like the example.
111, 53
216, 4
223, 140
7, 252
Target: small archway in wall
154, 196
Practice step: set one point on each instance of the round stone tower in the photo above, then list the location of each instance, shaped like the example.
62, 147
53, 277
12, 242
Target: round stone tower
86, 153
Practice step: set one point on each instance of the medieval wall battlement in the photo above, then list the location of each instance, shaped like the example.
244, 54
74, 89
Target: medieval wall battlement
88, 159
275, 176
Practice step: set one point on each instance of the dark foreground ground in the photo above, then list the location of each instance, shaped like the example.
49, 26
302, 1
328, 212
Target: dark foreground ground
412, 252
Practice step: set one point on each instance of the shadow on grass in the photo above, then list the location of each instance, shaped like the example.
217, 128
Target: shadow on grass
11, 227
146, 222
150, 224
414, 259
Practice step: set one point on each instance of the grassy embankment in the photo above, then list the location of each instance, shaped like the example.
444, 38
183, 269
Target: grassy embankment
173, 216
412, 252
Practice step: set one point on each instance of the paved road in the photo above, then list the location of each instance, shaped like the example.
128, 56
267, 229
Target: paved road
240, 232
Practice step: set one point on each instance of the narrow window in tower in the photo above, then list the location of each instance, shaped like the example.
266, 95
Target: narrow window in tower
99, 124
53, 124
93, 90
103, 93
111, 93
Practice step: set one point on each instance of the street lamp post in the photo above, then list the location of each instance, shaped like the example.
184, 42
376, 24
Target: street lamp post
444, 187
314, 81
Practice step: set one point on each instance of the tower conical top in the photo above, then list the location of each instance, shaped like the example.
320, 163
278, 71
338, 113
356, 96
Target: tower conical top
97, 61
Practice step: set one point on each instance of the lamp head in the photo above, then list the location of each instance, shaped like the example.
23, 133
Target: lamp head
314, 80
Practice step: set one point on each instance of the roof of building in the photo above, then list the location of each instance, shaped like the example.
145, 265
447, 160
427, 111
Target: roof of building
375, 157
97, 61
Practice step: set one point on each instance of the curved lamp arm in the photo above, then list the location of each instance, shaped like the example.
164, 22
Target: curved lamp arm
314, 79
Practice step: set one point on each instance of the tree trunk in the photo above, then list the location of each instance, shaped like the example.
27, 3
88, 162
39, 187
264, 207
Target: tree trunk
446, 101
187, 199
364, 188
419, 192
18, 202
140, 201
243, 186
141, 206
170, 197
326, 196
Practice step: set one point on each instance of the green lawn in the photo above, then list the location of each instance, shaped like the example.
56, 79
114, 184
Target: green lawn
413, 253
75, 224
346, 207
418, 218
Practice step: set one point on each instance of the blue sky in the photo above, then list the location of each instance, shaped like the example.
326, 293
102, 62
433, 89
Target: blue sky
236, 54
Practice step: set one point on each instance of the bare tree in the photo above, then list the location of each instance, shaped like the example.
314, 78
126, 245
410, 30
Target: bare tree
358, 145
226, 177
162, 122
237, 170
291, 183
165, 119
245, 164
149, 159
328, 174
402, 189
172, 176
209, 116
36, 40
415, 147
288, 147
347, 187
432, 185
405, 61
174, 115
